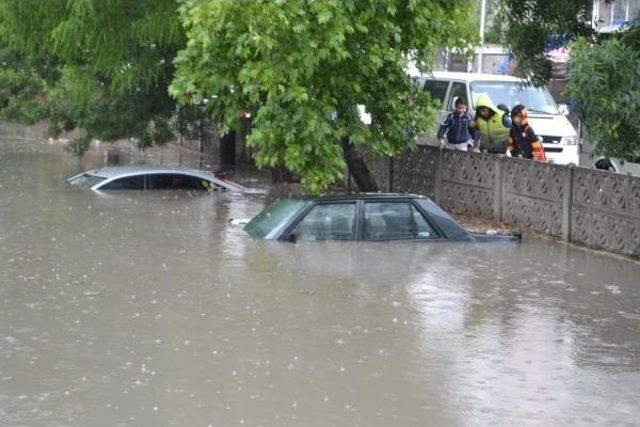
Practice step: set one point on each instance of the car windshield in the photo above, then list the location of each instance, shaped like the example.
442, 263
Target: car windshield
273, 216
537, 100
86, 180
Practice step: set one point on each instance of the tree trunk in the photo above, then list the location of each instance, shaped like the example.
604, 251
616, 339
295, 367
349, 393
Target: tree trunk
280, 175
243, 156
228, 148
358, 169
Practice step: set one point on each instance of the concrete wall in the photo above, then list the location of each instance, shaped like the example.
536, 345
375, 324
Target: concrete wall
591, 207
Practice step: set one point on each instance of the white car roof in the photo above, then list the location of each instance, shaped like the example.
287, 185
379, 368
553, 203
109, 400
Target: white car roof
111, 173
118, 171
471, 77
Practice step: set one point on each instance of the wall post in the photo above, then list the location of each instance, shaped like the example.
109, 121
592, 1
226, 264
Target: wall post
631, 246
437, 186
498, 188
567, 202
391, 172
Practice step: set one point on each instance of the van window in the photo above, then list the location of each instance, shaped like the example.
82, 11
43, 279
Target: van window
437, 89
537, 100
458, 90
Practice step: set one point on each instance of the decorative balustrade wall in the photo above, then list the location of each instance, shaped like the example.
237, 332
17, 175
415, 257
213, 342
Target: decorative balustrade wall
580, 205
606, 210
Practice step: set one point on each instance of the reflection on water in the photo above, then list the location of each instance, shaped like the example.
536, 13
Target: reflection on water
148, 308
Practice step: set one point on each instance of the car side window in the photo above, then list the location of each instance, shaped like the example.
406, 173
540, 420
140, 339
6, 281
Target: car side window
458, 90
437, 89
127, 183
395, 221
327, 221
173, 181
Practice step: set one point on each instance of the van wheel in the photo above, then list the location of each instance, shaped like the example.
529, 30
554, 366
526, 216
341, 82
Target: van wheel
605, 165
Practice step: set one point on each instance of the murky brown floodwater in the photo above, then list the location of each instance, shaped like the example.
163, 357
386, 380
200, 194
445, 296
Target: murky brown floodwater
149, 309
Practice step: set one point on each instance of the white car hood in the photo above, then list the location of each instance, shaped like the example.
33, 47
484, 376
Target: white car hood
547, 125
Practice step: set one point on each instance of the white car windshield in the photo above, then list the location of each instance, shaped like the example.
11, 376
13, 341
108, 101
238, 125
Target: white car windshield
86, 180
537, 100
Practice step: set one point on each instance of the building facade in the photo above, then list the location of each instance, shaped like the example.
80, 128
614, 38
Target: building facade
610, 16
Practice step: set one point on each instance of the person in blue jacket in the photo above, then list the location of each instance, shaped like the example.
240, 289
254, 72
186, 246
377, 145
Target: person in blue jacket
459, 128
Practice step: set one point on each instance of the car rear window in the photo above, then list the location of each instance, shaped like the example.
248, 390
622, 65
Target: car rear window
395, 221
175, 181
86, 180
127, 183
273, 216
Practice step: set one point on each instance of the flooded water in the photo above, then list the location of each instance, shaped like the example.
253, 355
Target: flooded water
150, 309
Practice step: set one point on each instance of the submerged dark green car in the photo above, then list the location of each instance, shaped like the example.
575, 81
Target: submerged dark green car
371, 217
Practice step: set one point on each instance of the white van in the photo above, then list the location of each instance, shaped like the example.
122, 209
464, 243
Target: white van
559, 138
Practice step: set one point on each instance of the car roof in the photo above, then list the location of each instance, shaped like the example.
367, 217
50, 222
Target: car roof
359, 196
112, 173
116, 171
471, 77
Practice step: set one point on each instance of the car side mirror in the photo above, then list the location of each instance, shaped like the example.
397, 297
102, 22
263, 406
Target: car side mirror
564, 109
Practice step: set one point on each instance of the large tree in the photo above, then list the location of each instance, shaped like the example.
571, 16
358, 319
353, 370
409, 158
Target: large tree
609, 107
110, 61
27, 69
300, 69
534, 26
22, 88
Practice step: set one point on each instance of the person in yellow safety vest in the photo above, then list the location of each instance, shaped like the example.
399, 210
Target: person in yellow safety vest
494, 124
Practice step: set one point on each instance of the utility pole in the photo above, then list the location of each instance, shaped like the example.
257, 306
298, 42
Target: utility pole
483, 15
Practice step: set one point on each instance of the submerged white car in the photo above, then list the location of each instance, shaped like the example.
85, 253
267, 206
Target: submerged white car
153, 178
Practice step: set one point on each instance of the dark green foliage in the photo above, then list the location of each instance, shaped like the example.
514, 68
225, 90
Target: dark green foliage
610, 108
496, 26
27, 68
532, 26
109, 62
79, 145
21, 90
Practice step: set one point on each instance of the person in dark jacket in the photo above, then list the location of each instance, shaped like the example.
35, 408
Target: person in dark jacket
458, 127
523, 141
